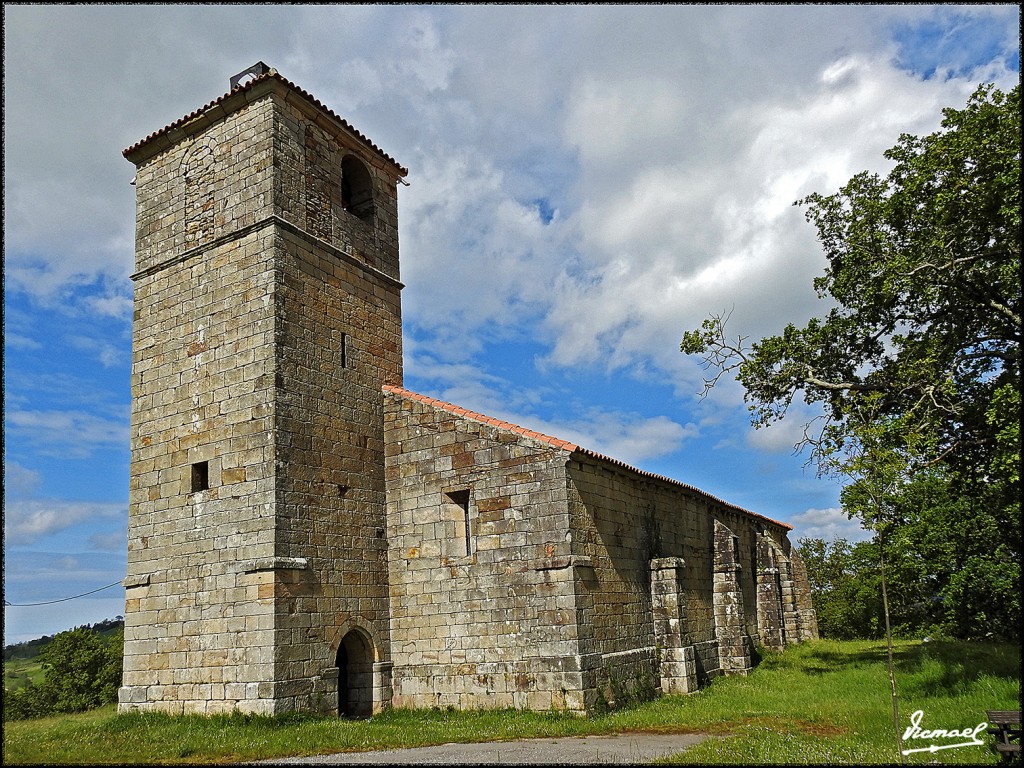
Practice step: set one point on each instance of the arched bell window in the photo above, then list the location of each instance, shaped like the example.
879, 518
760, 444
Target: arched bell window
356, 188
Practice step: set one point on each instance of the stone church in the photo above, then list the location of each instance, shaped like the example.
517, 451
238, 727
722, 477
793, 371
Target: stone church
306, 534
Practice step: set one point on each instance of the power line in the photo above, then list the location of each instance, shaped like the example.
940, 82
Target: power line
62, 600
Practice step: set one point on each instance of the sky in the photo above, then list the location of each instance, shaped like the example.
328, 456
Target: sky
586, 184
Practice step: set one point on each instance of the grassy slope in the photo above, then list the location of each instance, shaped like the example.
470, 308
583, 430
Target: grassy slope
20, 672
819, 702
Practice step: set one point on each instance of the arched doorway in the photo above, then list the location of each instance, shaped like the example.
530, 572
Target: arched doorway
354, 661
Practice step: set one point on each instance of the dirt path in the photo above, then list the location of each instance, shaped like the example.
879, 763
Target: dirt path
620, 749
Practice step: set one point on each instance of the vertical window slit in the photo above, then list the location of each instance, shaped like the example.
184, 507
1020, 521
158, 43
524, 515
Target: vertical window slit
460, 500
200, 476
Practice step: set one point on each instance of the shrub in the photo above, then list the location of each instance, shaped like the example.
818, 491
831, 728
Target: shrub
83, 671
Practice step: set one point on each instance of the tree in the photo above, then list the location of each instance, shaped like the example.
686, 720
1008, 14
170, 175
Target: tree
916, 368
955, 559
942, 558
845, 593
83, 671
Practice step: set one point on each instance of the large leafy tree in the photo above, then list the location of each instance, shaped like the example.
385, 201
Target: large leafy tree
946, 563
844, 588
83, 670
916, 366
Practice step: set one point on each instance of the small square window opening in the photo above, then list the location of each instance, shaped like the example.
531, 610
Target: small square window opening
200, 476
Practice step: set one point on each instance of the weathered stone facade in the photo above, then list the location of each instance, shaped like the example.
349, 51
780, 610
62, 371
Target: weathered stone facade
306, 534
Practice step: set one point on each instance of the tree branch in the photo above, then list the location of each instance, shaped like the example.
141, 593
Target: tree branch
840, 386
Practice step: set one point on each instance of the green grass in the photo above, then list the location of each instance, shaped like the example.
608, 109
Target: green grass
18, 673
821, 702
830, 702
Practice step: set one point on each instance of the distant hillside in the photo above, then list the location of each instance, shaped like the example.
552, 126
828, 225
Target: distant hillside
31, 648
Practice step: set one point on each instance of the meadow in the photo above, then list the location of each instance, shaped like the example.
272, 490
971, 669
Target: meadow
21, 672
819, 702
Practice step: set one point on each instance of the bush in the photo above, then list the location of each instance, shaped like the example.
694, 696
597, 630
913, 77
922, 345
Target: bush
83, 671
23, 703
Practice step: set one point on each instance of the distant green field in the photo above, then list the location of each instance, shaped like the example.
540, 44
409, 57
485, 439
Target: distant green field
21, 660
20, 672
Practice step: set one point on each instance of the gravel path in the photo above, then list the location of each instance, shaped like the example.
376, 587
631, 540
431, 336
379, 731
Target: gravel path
619, 749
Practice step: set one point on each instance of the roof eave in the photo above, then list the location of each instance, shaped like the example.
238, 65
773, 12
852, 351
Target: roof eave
254, 89
571, 450
622, 466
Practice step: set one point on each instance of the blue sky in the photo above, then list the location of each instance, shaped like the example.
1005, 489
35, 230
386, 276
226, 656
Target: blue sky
587, 183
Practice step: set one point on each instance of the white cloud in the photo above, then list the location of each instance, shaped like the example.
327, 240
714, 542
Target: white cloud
28, 520
827, 524
107, 353
112, 304
482, 262
74, 434
461, 383
677, 224
628, 437
784, 436
19, 480
113, 541
18, 341
672, 153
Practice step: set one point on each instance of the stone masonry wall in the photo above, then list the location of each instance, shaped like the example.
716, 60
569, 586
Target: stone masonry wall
256, 516
734, 643
651, 543
215, 179
339, 340
629, 567
202, 383
484, 619
202, 376
307, 192
796, 587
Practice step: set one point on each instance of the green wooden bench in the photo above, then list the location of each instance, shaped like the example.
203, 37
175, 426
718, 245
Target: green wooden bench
1004, 724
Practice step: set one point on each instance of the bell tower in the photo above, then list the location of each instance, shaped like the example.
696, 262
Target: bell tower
267, 318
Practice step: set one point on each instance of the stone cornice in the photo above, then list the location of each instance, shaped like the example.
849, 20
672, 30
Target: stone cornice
271, 220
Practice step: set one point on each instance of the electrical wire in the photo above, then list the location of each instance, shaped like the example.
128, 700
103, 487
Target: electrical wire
62, 600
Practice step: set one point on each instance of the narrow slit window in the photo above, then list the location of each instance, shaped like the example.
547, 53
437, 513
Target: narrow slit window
344, 350
458, 502
200, 476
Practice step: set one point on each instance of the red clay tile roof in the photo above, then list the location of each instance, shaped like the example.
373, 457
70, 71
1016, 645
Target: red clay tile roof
506, 425
272, 74
562, 445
